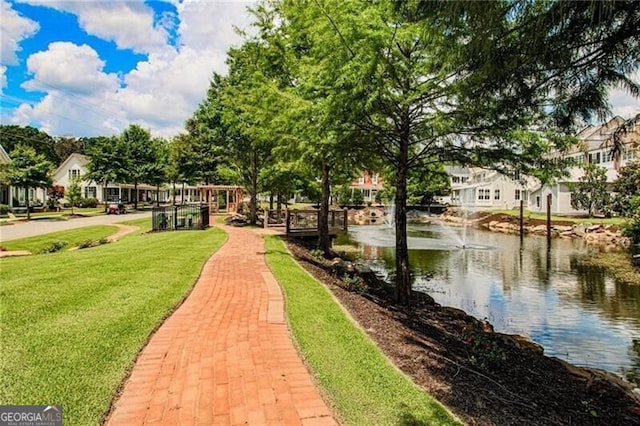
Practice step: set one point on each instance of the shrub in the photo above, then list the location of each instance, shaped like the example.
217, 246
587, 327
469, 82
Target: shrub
4, 209
358, 198
88, 203
56, 246
484, 352
91, 243
355, 284
316, 253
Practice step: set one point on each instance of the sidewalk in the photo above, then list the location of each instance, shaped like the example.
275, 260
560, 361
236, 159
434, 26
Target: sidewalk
225, 356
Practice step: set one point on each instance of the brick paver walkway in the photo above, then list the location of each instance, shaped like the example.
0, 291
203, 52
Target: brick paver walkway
225, 356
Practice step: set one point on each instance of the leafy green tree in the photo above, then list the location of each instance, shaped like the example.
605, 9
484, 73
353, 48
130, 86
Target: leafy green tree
434, 82
139, 155
357, 198
67, 145
626, 187
12, 136
344, 195
157, 171
423, 183
27, 170
183, 162
590, 192
74, 193
107, 162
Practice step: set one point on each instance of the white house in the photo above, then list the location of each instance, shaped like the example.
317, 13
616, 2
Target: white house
480, 189
15, 197
595, 147
475, 188
76, 166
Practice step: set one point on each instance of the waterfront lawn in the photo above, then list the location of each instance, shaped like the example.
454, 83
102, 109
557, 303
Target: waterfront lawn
72, 237
72, 323
543, 216
364, 387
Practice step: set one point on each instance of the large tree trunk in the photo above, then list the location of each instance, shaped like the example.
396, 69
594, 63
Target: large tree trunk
324, 239
26, 200
174, 193
403, 273
135, 195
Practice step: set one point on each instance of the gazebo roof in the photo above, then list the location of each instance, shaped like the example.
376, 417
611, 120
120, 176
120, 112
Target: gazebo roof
220, 187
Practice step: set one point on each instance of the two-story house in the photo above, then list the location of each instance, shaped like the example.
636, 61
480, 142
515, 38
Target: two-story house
369, 183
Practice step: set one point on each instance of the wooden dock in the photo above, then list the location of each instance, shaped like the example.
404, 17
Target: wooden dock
304, 223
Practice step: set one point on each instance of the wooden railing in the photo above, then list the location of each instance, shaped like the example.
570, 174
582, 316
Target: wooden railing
305, 223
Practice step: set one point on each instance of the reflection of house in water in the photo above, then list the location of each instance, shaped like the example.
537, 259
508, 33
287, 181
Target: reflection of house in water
372, 252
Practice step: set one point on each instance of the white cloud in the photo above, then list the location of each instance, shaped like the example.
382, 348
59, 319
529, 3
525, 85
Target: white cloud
622, 103
129, 24
3, 78
70, 68
161, 93
13, 30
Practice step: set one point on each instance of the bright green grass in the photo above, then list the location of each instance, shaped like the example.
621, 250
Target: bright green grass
72, 236
72, 323
543, 216
362, 384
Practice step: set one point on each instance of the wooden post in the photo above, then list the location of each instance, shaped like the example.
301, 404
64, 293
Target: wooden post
548, 217
227, 193
286, 222
345, 219
265, 219
521, 220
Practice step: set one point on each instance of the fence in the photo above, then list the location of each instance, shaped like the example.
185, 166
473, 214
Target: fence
304, 223
173, 218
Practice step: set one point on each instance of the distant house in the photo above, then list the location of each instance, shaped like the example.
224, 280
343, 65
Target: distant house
481, 189
475, 188
76, 166
16, 197
369, 183
595, 147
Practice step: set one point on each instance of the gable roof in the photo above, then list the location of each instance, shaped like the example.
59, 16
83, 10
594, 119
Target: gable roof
82, 159
4, 157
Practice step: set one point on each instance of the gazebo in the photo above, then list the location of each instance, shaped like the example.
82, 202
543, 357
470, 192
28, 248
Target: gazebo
232, 197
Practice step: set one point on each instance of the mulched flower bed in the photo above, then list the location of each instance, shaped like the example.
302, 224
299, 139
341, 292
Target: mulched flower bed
485, 378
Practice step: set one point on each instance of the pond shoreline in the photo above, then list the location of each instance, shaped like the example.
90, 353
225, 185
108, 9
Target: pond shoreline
434, 345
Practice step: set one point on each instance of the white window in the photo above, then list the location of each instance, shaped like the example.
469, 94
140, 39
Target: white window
537, 201
74, 174
517, 195
361, 180
90, 192
375, 178
496, 195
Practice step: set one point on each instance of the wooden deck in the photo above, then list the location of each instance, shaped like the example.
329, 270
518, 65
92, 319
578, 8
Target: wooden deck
304, 223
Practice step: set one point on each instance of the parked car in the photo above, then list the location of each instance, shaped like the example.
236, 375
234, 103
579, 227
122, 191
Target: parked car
116, 208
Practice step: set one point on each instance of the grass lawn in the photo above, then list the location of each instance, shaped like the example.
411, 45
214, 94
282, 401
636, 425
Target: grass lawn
72, 236
365, 388
73, 322
543, 216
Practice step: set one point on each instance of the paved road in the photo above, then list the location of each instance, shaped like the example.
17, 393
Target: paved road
39, 227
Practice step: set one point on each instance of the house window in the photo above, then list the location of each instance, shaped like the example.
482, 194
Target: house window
361, 180
516, 176
608, 157
484, 194
375, 178
594, 158
90, 192
496, 195
74, 174
538, 201
113, 194
455, 179
517, 195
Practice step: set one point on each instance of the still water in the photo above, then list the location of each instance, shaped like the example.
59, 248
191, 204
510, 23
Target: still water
576, 313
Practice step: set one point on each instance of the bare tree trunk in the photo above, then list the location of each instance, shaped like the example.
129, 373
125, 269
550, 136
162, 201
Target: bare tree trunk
271, 201
135, 195
26, 200
403, 272
278, 206
174, 193
253, 203
324, 239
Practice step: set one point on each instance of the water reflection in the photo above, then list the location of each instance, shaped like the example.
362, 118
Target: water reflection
537, 289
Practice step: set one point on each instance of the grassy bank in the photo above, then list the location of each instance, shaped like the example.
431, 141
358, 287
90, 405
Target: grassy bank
617, 264
72, 237
543, 216
73, 322
362, 384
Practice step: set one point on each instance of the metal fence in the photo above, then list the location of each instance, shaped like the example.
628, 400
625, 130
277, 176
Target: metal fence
174, 218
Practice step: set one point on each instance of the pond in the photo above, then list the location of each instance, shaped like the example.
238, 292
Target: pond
576, 313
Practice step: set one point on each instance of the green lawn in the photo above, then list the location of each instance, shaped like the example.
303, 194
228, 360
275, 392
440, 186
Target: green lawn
72, 236
543, 216
362, 384
72, 323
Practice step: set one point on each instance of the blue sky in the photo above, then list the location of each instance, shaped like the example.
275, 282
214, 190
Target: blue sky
92, 67
87, 68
